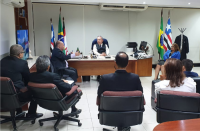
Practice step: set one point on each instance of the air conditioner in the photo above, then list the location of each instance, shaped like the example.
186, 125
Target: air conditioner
14, 3
123, 7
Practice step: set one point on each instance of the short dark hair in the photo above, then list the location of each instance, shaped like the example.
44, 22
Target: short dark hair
188, 64
42, 63
121, 61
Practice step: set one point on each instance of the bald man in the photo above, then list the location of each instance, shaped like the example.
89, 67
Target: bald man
120, 80
59, 61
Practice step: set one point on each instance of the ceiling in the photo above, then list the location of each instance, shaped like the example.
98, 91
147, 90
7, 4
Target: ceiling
156, 3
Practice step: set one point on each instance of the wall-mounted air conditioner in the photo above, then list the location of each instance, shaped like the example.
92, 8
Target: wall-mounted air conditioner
123, 7
14, 3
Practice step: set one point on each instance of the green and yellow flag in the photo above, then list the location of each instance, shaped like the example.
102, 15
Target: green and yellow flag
160, 41
60, 30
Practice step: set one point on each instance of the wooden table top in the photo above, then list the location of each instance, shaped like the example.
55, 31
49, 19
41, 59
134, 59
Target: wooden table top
181, 125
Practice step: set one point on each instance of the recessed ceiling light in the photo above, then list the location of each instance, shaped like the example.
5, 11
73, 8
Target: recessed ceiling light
144, 2
189, 3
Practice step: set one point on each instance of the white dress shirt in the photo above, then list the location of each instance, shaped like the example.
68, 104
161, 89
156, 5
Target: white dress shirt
188, 86
72, 56
97, 53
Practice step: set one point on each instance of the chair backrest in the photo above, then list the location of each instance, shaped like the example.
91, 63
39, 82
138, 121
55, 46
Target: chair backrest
176, 105
197, 80
121, 108
7, 87
9, 97
51, 68
48, 96
33, 68
45, 91
105, 41
122, 101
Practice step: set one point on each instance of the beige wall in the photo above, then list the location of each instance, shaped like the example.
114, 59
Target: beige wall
7, 28
84, 23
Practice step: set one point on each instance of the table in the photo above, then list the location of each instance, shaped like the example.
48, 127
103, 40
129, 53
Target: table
101, 66
181, 125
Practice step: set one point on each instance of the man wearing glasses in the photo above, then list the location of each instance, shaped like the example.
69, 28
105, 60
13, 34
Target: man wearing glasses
17, 70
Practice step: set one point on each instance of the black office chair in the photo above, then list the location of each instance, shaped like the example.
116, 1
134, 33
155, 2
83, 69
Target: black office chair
105, 41
49, 97
197, 80
59, 71
175, 105
10, 102
121, 109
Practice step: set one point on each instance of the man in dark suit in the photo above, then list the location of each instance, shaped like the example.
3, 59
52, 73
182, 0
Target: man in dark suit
44, 76
120, 80
17, 70
59, 61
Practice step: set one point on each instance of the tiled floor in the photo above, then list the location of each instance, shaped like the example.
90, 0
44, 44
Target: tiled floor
89, 113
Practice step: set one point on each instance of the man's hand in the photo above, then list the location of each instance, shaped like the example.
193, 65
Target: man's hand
65, 81
77, 54
103, 54
24, 89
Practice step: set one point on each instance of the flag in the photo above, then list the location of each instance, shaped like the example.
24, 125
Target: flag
160, 39
65, 38
168, 36
52, 38
60, 30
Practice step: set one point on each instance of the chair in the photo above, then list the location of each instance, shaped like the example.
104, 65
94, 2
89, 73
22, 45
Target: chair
175, 105
10, 101
58, 71
49, 97
153, 104
121, 109
105, 41
197, 80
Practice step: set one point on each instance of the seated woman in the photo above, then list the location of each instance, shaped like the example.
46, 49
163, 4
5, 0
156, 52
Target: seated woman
175, 78
173, 53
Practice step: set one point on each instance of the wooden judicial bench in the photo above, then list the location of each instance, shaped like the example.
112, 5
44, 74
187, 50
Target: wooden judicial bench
88, 67
181, 125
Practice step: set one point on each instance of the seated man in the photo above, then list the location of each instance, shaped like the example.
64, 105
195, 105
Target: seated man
17, 70
120, 80
99, 48
59, 60
44, 76
187, 68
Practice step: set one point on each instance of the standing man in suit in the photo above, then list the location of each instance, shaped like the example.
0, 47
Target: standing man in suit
99, 48
120, 80
17, 70
59, 61
44, 76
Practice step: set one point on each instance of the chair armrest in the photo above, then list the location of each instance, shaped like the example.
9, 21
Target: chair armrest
62, 68
74, 88
98, 101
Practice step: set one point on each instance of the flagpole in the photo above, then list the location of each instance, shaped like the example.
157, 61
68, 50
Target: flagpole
161, 17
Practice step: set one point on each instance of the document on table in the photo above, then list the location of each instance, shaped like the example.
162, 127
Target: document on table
70, 81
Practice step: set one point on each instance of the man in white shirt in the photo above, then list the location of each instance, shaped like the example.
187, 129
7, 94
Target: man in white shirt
100, 49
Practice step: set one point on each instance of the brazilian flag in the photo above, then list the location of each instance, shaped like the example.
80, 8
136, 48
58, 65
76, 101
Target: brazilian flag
60, 30
160, 41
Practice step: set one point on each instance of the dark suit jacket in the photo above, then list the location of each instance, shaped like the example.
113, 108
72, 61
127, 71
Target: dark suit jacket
58, 58
119, 81
185, 46
16, 69
48, 77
